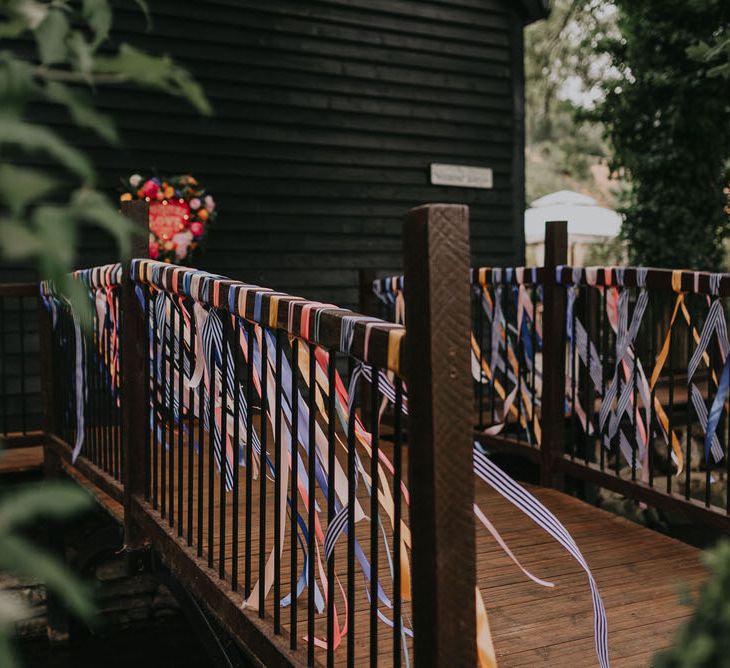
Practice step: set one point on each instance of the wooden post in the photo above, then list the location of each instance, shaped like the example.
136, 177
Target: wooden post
441, 474
368, 302
51, 462
553, 355
134, 352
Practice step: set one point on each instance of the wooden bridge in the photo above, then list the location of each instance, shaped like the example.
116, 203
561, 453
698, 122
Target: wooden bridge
308, 474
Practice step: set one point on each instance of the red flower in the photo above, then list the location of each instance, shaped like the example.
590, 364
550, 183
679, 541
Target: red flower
150, 189
154, 250
196, 228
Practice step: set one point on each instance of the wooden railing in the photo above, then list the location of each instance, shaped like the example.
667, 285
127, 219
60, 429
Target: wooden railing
20, 414
82, 366
233, 429
636, 422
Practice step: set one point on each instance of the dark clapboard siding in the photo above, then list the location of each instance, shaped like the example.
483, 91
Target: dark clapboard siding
328, 114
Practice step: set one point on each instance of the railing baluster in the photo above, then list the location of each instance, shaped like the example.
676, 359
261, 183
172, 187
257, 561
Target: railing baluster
201, 451
634, 408
277, 481
236, 390
374, 510
479, 336
351, 502
670, 364
311, 484
533, 384
397, 494
573, 382
211, 451
294, 490
652, 415
169, 370
223, 447
118, 371
164, 403
191, 425
331, 461
249, 455
688, 433
180, 358
155, 399
263, 374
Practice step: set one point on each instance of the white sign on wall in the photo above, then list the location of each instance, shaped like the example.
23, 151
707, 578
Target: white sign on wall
461, 176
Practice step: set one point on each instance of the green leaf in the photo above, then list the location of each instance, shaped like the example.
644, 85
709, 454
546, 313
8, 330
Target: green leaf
51, 500
93, 207
22, 557
37, 138
81, 55
142, 4
82, 110
77, 294
16, 85
57, 229
18, 241
13, 28
156, 72
51, 37
31, 12
8, 657
20, 186
98, 14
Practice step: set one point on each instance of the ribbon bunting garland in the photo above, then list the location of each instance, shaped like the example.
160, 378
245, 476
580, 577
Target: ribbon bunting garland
202, 324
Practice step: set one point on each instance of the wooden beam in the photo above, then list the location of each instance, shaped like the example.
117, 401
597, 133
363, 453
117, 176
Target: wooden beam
552, 417
441, 476
204, 584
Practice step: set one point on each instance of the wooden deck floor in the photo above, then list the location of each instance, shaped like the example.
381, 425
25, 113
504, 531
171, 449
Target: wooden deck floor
638, 571
21, 460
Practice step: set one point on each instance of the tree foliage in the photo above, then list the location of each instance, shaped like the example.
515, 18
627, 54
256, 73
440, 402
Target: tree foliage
18, 555
562, 68
704, 641
668, 121
39, 213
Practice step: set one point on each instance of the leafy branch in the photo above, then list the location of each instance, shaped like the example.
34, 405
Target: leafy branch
38, 221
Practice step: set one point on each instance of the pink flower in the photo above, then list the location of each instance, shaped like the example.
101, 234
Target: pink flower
195, 203
209, 203
182, 241
154, 250
196, 228
150, 189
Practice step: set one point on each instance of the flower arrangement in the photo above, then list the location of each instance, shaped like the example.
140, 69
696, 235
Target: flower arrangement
180, 214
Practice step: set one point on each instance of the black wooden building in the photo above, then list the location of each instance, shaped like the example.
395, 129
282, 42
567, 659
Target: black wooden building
328, 114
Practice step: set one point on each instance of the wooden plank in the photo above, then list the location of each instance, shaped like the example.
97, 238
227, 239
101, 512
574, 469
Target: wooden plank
637, 571
22, 460
18, 440
92, 473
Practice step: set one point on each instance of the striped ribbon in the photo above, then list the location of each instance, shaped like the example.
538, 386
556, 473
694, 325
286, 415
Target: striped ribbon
491, 474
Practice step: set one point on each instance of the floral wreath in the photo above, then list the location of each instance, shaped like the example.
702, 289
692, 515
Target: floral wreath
180, 214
